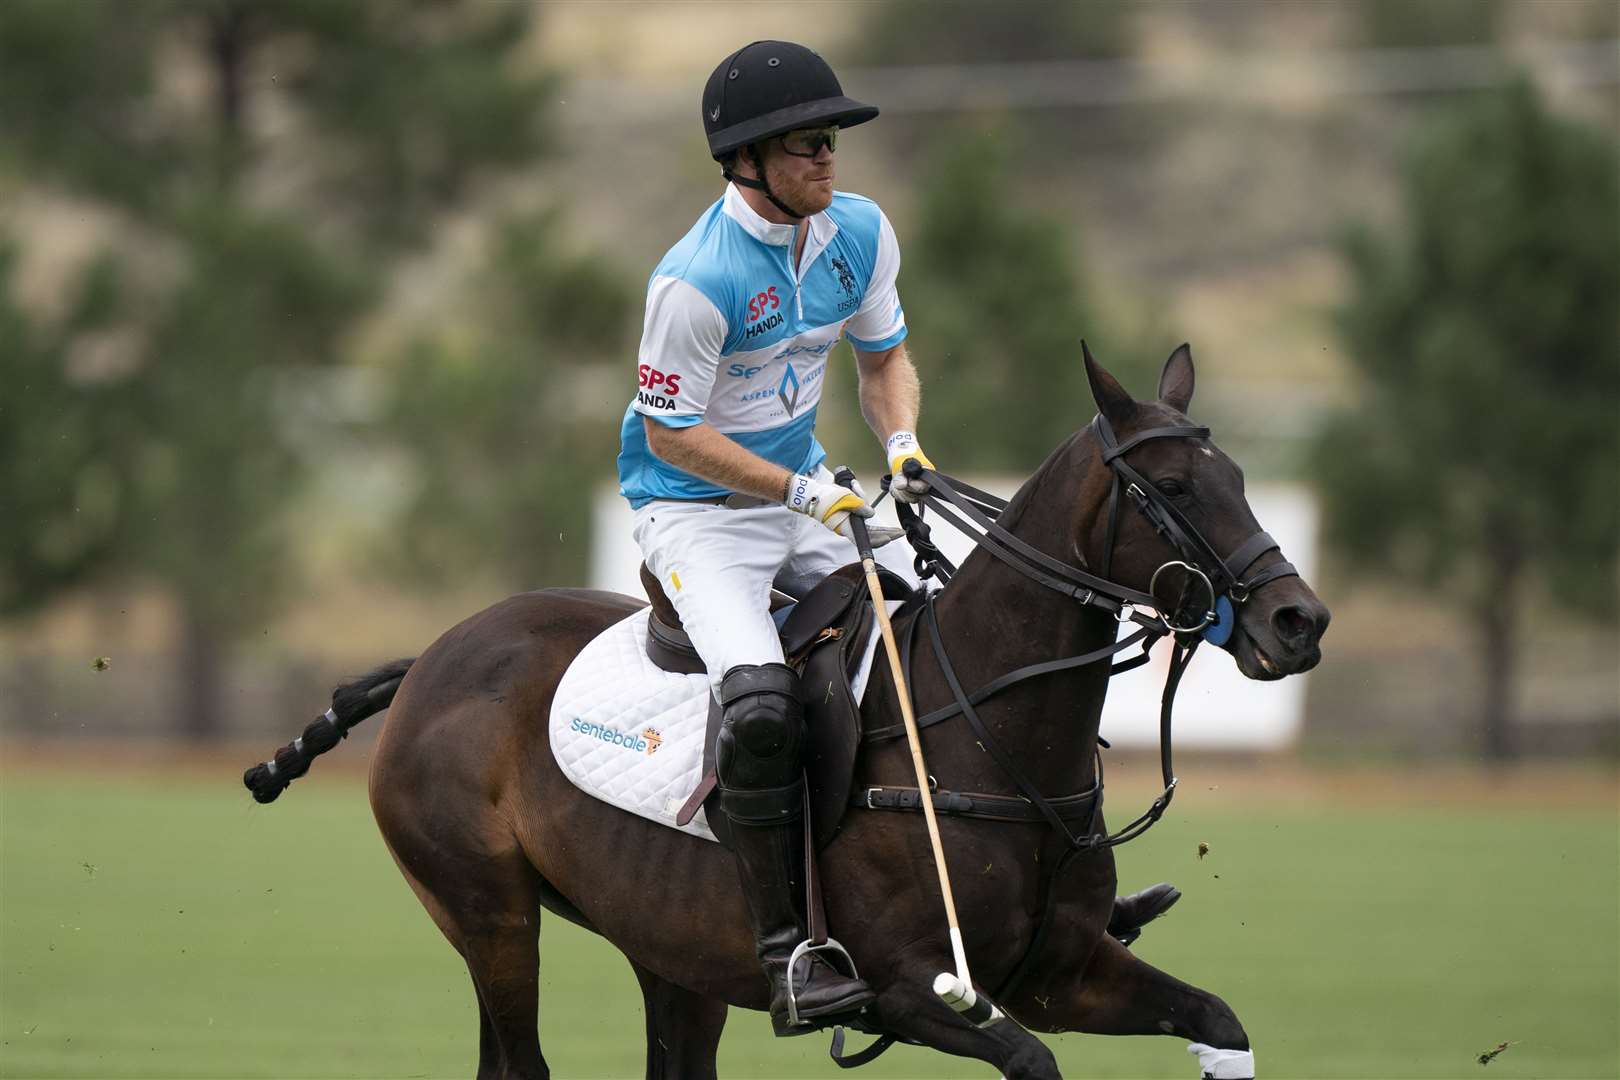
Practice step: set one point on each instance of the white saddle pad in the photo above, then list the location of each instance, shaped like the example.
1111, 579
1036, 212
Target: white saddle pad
630, 733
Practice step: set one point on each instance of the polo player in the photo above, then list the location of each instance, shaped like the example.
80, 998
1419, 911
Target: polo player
720, 461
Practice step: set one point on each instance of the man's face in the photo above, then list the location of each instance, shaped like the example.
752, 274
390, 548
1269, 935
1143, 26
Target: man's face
804, 183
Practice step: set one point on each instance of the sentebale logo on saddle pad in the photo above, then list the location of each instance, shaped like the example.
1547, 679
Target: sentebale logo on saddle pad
646, 741
631, 734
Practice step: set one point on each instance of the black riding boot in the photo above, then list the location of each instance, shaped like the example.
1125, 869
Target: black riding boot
757, 761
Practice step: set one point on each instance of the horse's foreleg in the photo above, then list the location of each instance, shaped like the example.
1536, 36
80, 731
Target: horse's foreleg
683, 1029
1118, 993
909, 1007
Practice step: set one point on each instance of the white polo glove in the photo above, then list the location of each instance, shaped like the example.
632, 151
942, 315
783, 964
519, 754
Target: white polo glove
902, 447
829, 503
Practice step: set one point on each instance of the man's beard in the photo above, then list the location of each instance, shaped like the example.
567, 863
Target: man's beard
803, 197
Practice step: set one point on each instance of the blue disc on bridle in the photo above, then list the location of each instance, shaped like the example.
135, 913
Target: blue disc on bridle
1219, 631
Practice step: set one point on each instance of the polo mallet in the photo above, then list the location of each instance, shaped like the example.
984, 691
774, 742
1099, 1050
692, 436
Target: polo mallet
955, 990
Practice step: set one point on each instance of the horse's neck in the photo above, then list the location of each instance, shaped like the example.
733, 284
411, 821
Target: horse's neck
993, 619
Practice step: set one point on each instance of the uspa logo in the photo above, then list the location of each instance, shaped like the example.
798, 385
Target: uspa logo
846, 280
646, 741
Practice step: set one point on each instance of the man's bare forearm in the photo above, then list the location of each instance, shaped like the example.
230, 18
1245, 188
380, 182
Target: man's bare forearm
890, 393
704, 452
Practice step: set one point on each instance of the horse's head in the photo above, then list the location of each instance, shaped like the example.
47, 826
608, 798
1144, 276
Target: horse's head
1280, 622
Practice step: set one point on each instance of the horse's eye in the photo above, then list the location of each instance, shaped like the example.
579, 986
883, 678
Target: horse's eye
1171, 488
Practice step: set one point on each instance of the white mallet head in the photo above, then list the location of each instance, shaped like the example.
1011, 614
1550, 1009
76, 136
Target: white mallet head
960, 996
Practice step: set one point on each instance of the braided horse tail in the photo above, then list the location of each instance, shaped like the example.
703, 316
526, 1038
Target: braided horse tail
351, 703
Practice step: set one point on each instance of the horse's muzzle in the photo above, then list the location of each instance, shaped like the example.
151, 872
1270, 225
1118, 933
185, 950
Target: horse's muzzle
1280, 634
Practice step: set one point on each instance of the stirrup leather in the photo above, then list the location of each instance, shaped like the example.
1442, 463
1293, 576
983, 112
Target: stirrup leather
800, 951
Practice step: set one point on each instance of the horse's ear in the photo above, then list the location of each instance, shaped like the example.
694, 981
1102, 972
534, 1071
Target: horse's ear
1176, 383
1112, 400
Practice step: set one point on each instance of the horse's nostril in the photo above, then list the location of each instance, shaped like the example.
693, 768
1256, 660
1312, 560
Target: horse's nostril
1293, 626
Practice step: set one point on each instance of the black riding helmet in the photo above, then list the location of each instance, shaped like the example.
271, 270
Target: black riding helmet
768, 88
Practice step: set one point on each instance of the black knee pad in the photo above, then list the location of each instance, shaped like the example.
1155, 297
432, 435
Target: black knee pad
761, 740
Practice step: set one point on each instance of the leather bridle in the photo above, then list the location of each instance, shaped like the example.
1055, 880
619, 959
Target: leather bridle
1221, 577
1224, 590
1217, 584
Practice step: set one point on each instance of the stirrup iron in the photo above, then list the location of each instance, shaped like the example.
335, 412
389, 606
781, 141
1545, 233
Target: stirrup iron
803, 949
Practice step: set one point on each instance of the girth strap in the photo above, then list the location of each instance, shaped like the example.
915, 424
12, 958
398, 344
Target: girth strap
1081, 805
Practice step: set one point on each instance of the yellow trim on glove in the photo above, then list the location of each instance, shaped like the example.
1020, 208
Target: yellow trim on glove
851, 502
900, 459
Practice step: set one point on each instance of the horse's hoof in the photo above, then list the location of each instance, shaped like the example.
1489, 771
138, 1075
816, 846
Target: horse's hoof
1135, 911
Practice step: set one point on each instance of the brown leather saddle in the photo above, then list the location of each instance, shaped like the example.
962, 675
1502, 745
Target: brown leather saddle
824, 636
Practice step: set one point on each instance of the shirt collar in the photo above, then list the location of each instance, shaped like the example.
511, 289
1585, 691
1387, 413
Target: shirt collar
766, 232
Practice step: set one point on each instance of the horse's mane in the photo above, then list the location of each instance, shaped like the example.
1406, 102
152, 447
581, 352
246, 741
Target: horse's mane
1062, 457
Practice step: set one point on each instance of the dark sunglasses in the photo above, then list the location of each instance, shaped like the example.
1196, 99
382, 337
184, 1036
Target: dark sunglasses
807, 142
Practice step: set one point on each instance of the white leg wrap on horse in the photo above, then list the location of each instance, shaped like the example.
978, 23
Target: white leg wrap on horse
1223, 1064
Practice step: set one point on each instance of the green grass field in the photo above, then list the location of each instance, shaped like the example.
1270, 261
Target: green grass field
153, 928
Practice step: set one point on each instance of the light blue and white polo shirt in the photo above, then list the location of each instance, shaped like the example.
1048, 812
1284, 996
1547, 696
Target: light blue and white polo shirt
736, 338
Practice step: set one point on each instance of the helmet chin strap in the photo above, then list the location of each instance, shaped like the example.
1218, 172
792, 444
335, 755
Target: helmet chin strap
761, 184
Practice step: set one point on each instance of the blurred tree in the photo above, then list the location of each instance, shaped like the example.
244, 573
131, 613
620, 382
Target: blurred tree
1432, 23
969, 31
213, 464
63, 503
998, 302
275, 158
509, 424
1483, 453
78, 81
978, 35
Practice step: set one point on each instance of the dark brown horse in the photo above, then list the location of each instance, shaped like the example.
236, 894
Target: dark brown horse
488, 831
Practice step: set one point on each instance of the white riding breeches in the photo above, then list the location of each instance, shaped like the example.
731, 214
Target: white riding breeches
718, 566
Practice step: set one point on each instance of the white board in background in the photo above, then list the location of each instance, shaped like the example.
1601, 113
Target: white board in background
1216, 707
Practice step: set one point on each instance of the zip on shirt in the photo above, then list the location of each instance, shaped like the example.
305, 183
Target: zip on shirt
810, 255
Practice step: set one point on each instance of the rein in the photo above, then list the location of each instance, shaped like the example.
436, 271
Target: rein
1219, 584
